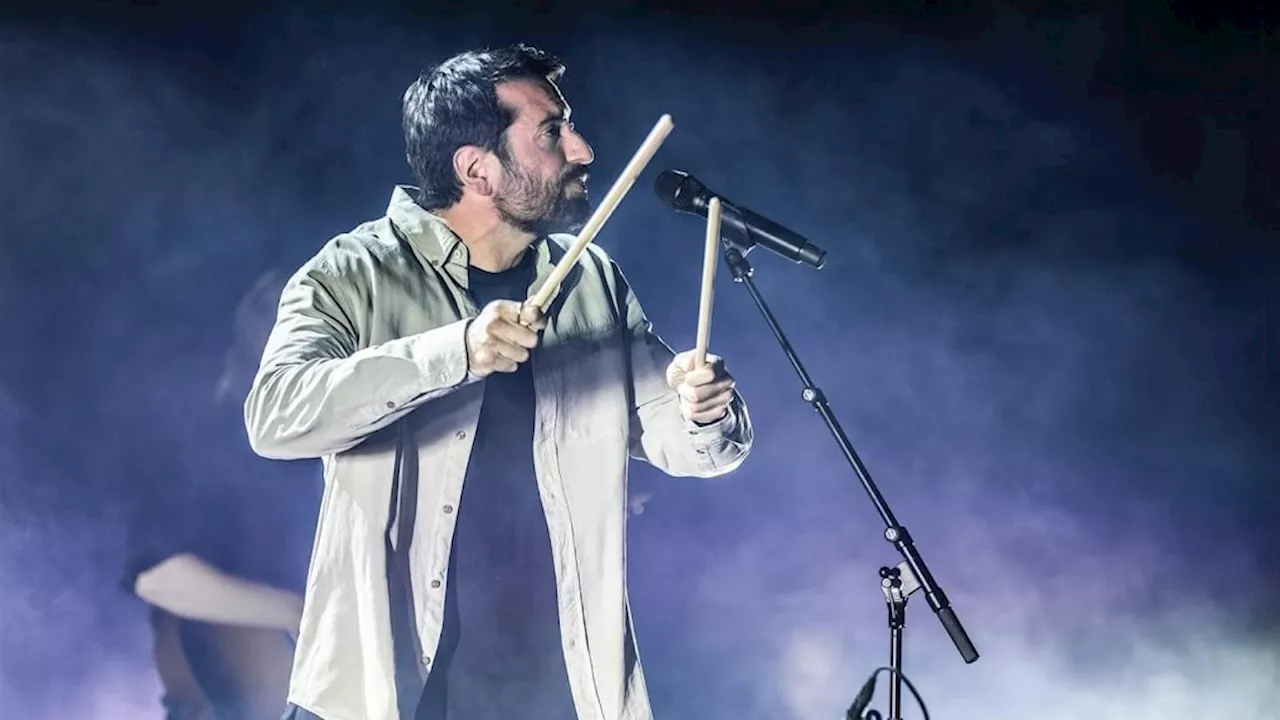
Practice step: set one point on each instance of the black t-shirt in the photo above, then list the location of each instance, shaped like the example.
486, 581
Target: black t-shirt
500, 654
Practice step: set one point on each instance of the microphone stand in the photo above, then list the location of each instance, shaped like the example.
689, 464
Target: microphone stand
912, 574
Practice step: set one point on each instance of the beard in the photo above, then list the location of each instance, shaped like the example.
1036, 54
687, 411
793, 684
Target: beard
541, 207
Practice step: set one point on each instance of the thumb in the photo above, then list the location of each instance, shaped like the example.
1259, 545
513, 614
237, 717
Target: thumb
531, 316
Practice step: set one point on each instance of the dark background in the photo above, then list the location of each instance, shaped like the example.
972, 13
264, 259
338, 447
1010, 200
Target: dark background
1050, 322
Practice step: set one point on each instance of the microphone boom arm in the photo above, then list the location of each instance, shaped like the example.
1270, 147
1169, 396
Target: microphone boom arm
913, 566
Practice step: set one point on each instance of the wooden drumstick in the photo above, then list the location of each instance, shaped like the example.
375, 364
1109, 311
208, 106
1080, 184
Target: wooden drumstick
604, 210
710, 258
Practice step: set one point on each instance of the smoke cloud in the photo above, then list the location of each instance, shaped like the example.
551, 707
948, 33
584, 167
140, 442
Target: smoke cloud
1071, 417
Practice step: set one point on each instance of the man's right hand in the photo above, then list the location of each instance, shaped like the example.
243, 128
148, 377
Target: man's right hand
501, 336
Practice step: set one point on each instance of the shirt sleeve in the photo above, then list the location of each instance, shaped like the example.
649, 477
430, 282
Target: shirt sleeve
659, 433
318, 393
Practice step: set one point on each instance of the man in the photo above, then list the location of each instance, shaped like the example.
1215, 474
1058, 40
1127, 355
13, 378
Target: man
469, 561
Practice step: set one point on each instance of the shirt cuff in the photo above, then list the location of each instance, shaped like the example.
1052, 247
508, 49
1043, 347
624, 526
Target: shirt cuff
714, 430
441, 356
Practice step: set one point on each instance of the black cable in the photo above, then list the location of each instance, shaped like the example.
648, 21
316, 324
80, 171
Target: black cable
868, 690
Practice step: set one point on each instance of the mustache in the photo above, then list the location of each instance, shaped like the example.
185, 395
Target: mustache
575, 174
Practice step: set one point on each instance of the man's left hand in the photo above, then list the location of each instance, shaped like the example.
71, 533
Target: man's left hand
705, 392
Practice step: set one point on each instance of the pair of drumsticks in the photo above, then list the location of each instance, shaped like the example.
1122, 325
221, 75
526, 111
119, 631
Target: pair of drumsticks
602, 212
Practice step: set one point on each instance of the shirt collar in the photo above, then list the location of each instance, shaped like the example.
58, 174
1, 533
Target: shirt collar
428, 232
440, 245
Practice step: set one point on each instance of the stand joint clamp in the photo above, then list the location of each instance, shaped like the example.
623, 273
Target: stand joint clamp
813, 396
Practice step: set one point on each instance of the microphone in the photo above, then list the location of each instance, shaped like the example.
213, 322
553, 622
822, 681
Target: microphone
684, 193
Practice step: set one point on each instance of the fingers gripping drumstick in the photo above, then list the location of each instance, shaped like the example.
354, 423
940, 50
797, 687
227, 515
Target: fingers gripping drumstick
605, 209
709, 258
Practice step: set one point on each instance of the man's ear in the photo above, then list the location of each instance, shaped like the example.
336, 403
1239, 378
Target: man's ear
473, 167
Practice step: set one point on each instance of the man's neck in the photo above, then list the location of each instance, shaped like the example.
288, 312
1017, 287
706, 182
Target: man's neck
493, 245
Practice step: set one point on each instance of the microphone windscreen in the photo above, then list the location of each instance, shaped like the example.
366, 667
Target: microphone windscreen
672, 188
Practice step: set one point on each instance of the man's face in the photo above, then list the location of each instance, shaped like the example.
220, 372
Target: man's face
544, 180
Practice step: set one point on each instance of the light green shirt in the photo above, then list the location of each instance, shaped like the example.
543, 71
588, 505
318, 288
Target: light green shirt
371, 331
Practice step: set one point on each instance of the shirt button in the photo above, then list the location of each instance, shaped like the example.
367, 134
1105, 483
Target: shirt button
390, 404
426, 660
448, 509
435, 583
461, 434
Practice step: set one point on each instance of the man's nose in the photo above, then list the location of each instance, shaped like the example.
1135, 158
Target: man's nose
576, 149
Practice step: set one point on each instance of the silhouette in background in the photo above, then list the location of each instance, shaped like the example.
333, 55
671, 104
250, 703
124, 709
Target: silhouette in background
215, 559
222, 645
